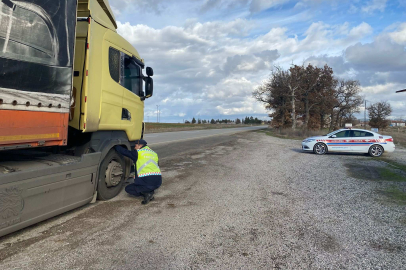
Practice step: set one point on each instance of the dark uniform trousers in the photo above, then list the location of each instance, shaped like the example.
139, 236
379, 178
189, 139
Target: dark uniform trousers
144, 185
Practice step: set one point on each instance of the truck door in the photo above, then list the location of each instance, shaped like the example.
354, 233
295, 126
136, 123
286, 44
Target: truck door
122, 108
112, 91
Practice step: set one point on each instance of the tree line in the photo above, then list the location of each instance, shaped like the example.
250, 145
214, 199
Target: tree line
247, 120
313, 97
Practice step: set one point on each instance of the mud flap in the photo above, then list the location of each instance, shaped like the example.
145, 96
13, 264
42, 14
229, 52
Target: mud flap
94, 197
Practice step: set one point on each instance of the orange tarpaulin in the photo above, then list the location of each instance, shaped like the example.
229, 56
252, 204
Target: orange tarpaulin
33, 128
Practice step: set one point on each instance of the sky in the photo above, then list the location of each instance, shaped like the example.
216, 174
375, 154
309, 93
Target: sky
209, 55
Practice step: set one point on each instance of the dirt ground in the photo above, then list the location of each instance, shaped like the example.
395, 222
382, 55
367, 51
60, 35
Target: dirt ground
246, 201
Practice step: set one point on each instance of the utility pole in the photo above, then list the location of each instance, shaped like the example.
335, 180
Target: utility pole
365, 115
157, 115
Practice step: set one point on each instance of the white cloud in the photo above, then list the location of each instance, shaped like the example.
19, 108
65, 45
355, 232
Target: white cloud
374, 5
225, 4
380, 88
353, 9
361, 30
399, 36
216, 29
380, 55
259, 5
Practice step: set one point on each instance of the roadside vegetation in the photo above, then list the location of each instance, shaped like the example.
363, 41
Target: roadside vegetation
395, 195
293, 134
383, 170
169, 127
398, 134
247, 121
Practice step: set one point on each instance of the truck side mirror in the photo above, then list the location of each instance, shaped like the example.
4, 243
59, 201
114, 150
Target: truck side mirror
149, 87
150, 72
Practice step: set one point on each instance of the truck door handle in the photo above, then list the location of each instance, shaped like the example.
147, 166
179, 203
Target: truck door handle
125, 115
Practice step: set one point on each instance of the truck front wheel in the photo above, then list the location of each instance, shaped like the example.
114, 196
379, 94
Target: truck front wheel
111, 176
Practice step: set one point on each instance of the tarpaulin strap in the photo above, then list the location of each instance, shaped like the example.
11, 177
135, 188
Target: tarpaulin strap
10, 21
8, 3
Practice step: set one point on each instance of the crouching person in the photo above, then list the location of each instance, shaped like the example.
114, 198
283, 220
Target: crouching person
147, 173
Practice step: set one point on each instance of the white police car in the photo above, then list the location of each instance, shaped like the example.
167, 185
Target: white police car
350, 140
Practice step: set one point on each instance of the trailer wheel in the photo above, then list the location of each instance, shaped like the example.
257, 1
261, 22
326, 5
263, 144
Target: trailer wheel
111, 176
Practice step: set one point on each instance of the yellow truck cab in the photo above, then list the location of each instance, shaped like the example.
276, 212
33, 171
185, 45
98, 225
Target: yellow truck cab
108, 82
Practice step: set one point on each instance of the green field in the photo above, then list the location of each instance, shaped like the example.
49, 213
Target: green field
167, 127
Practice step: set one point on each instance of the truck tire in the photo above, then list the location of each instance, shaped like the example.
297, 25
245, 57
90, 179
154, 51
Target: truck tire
111, 176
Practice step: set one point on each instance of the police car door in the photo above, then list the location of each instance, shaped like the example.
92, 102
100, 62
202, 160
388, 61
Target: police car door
361, 141
340, 142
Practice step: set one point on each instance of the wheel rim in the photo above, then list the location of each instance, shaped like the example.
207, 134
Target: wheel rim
320, 149
114, 172
376, 151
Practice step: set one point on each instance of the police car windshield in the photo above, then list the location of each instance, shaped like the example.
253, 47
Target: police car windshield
332, 133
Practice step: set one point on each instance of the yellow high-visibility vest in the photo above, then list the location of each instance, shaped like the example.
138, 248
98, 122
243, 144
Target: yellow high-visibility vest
147, 162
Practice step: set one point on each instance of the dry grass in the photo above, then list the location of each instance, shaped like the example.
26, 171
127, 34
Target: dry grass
297, 134
398, 135
169, 127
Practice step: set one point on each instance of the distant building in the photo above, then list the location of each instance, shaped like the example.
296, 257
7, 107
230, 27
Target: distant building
363, 123
397, 123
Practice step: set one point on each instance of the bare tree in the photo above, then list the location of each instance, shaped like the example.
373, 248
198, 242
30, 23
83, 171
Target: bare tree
293, 81
274, 93
309, 84
347, 102
378, 112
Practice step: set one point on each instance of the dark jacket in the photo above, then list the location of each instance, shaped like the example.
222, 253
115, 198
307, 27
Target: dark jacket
127, 153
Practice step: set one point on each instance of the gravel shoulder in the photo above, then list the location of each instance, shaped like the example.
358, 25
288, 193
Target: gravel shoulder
246, 201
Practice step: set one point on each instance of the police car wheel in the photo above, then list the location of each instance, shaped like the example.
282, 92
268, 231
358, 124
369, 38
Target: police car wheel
320, 149
375, 150
111, 176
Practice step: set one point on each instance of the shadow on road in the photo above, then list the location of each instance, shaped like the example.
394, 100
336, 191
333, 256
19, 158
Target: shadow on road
298, 150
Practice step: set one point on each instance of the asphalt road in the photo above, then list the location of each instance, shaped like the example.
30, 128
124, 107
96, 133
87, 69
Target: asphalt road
242, 201
166, 137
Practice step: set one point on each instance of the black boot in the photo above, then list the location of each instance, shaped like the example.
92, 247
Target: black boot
148, 197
